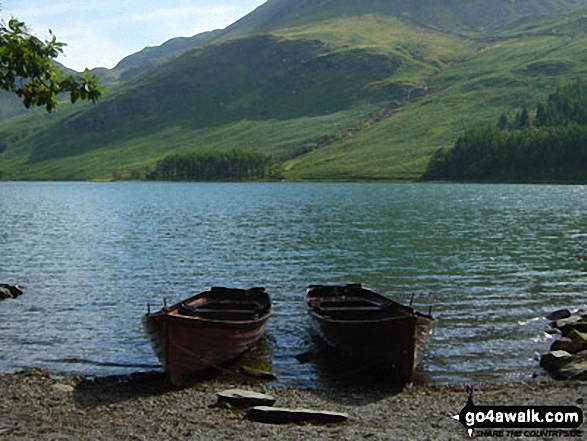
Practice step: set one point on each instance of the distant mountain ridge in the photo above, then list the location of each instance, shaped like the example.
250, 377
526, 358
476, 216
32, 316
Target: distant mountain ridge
446, 15
330, 89
149, 57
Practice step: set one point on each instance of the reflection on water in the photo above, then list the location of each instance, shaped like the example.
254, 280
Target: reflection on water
490, 259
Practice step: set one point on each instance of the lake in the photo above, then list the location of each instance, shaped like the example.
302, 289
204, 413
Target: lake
491, 260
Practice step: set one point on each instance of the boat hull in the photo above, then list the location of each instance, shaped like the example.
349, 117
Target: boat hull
187, 345
377, 336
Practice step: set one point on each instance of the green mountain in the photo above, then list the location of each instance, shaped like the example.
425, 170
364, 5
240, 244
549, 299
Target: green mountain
447, 15
330, 89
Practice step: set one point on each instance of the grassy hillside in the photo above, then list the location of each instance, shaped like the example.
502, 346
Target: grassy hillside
334, 96
512, 70
283, 95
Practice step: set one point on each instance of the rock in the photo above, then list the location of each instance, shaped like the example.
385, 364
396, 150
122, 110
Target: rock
5, 430
276, 415
558, 324
9, 291
244, 398
580, 325
580, 338
256, 373
558, 315
552, 361
575, 369
565, 344
66, 388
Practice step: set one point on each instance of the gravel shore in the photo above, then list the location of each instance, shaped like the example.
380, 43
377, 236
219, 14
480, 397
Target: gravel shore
37, 405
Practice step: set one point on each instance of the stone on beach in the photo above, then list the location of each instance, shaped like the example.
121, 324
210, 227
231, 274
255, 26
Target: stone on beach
565, 321
5, 430
578, 326
565, 326
552, 361
244, 398
278, 415
576, 369
566, 344
66, 388
567, 358
580, 338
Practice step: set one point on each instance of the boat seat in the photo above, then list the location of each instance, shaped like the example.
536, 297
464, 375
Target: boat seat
224, 311
351, 308
219, 314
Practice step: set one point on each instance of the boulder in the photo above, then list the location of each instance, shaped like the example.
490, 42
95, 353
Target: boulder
566, 344
276, 415
552, 361
579, 325
575, 369
9, 291
579, 338
558, 315
244, 398
558, 324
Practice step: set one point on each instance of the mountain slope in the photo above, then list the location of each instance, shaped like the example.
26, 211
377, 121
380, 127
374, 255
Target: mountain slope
149, 57
516, 69
338, 91
446, 15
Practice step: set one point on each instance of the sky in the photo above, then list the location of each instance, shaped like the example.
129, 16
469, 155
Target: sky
101, 33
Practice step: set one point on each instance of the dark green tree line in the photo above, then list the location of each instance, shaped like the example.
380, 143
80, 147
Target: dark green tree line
551, 146
230, 165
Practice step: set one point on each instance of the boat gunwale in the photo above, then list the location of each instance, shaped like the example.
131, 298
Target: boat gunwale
412, 313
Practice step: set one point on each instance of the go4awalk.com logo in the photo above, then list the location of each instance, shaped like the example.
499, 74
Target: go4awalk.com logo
521, 421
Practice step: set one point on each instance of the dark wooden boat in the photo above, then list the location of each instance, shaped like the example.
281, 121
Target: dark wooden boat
207, 330
373, 329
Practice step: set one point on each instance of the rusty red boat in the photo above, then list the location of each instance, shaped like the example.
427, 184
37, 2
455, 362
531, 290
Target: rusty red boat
207, 330
368, 327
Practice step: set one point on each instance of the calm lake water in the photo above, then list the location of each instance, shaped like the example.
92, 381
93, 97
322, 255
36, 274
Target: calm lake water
490, 259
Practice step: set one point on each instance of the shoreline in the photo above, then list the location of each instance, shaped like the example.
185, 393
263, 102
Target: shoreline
39, 405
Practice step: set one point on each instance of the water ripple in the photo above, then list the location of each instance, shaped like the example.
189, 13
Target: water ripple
491, 260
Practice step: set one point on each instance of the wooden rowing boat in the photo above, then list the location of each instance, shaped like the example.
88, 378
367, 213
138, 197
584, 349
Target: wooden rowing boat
207, 330
363, 325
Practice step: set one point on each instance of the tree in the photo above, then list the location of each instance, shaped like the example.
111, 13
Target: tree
524, 120
541, 117
502, 122
27, 69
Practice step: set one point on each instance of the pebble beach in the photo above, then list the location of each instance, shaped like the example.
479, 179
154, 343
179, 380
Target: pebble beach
38, 405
